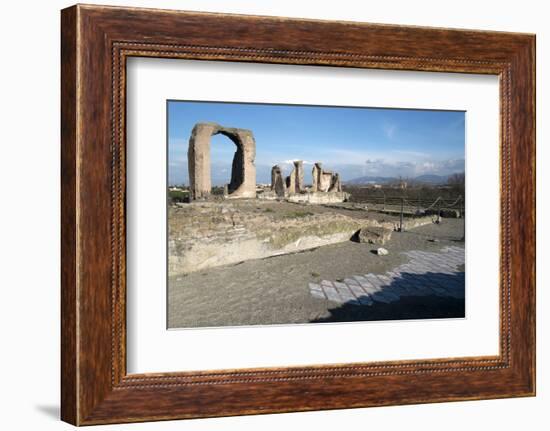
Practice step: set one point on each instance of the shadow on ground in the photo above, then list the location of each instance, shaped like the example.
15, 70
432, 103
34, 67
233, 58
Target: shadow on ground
431, 305
51, 411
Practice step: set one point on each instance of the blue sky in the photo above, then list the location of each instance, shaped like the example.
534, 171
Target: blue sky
352, 141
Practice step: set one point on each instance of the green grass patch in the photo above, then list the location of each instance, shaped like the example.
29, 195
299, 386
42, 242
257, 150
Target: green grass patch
298, 214
178, 195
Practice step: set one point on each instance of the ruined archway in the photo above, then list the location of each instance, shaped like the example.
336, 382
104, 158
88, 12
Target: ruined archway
243, 170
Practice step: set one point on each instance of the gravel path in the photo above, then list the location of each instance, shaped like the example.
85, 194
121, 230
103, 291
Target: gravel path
277, 290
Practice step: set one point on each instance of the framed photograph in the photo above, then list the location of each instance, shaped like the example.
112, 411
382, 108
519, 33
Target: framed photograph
263, 214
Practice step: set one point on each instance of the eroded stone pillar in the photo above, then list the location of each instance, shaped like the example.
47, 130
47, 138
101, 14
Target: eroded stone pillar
298, 176
290, 184
198, 160
277, 181
316, 176
335, 183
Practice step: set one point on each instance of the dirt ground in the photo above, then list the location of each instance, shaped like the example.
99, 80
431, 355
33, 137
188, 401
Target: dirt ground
275, 290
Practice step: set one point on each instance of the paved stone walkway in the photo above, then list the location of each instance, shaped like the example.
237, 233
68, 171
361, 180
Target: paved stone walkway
426, 273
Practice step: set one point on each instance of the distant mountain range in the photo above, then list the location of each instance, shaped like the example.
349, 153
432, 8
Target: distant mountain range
425, 179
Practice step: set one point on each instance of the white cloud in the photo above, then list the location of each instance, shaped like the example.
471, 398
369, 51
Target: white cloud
416, 154
291, 162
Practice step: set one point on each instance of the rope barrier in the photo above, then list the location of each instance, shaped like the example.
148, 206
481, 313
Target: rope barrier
418, 204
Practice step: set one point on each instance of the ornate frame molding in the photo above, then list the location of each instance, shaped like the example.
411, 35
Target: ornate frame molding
96, 41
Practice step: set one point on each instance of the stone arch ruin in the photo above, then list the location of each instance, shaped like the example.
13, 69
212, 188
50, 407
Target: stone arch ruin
243, 169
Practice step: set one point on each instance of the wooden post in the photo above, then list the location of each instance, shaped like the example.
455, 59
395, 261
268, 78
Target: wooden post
401, 216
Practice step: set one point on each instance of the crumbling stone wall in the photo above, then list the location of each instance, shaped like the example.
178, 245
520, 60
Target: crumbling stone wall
243, 171
325, 181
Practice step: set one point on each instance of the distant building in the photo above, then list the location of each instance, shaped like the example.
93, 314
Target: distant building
402, 184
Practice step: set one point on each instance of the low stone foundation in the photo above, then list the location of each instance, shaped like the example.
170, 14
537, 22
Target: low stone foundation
267, 195
308, 197
318, 197
445, 213
210, 234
